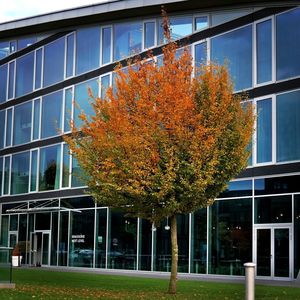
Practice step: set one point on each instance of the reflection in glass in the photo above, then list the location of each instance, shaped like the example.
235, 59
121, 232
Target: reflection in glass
281, 252
54, 231
68, 109
230, 236
25, 42
54, 52
77, 174
34, 170
51, 114
263, 259
1, 174
2, 125
4, 49
235, 49
38, 68
105, 83
264, 51
200, 55
199, 241
8, 127
70, 55
22, 123
296, 234
81, 252
36, 119
201, 22
20, 173
179, 27
63, 238
287, 44
24, 74
11, 80
3, 82
276, 209
122, 246
106, 45
6, 175
82, 99
238, 188
127, 39
288, 126
264, 131
87, 49
100, 254
66, 166
149, 34
49, 168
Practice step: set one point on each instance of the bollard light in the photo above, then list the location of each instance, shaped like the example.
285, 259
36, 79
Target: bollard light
249, 281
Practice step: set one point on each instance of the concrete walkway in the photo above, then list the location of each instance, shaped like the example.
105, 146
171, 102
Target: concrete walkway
165, 275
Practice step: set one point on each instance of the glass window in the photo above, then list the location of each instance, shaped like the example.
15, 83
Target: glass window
25, 42
78, 202
83, 100
20, 173
49, 168
105, 83
201, 22
22, 123
200, 55
8, 127
77, 174
2, 126
36, 118
287, 44
3, 82
12, 46
38, 68
42, 221
230, 236
127, 39
276, 209
101, 227
237, 188
24, 74
87, 49
264, 131
34, 170
225, 16
4, 49
276, 185
51, 114
6, 175
63, 238
1, 174
70, 55
288, 126
235, 49
264, 51
122, 244
149, 34
11, 80
145, 245
54, 52
106, 45
82, 238
297, 235
179, 27
66, 166
68, 109
199, 241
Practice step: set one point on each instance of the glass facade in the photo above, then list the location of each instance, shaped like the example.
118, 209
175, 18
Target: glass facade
51, 80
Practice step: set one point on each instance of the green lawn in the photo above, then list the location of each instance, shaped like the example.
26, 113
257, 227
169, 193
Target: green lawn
42, 284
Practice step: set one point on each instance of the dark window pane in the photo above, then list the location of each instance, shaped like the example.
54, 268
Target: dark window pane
6, 175
38, 68
230, 236
106, 45
54, 52
287, 44
101, 227
264, 131
235, 49
63, 239
87, 49
36, 119
78, 202
11, 80
273, 210
1, 174
277, 185
296, 234
2, 125
237, 189
52, 114
22, 123
3, 82
127, 39
149, 31
281, 252
264, 51
34, 171
8, 127
20, 173
263, 252
70, 55
49, 173
288, 126
24, 74
42, 221
145, 245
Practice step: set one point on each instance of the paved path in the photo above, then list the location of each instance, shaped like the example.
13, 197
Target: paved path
165, 275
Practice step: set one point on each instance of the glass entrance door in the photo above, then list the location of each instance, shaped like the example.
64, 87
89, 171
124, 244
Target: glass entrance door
45, 248
273, 252
40, 248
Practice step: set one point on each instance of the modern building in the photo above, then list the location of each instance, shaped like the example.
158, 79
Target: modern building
48, 60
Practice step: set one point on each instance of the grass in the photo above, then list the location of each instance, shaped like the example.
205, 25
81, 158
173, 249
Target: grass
43, 284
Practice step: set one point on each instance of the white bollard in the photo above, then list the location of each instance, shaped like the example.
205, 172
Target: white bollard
249, 281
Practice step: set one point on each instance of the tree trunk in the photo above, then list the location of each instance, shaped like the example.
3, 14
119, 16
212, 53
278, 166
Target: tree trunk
174, 246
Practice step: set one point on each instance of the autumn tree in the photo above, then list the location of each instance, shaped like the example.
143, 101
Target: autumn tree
163, 142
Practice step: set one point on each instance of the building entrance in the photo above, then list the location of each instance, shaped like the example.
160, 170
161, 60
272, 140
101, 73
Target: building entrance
40, 248
273, 251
